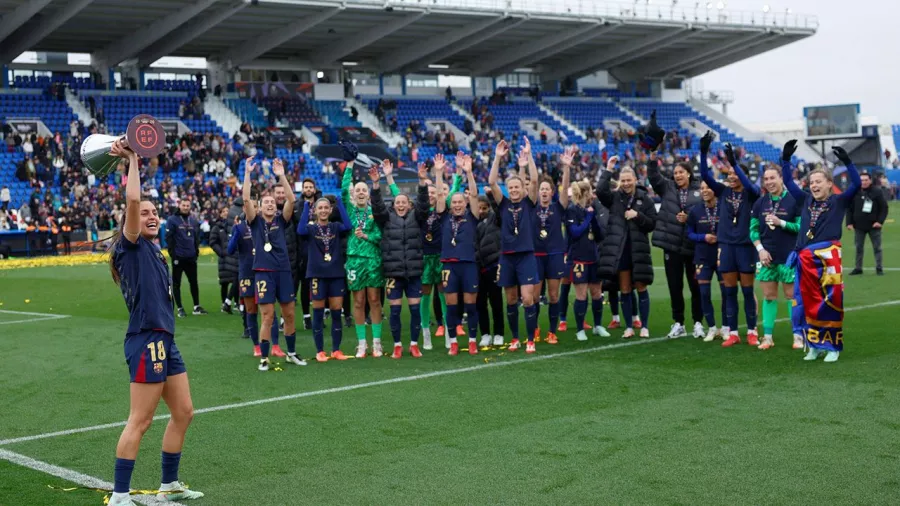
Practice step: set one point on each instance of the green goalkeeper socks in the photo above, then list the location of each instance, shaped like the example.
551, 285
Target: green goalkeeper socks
425, 310
361, 332
769, 314
443, 306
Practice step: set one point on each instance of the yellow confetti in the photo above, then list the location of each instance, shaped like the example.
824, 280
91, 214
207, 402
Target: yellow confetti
74, 260
28, 301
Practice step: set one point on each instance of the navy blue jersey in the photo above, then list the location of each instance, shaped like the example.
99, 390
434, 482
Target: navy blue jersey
431, 231
734, 207
458, 238
778, 241
548, 229
241, 242
146, 285
516, 225
583, 233
703, 220
820, 220
325, 256
276, 259
182, 236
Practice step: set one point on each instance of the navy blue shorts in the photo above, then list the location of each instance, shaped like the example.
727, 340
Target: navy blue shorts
152, 356
584, 273
397, 287
517, 269
551, 266
272, 286
737, 258
460, 277
704, 272
326, 288
246, 287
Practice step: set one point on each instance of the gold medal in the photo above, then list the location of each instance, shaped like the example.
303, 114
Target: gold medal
327, 257
453, 242
543, 234
809, 234
734, 221
516, 231
429, 237
590, 236
189, 233
267, 247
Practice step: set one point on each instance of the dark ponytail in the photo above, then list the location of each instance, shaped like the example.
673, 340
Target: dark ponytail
111, 250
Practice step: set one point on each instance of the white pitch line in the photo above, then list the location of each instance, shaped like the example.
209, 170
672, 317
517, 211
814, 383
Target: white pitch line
81, 479
43, 317
401, 379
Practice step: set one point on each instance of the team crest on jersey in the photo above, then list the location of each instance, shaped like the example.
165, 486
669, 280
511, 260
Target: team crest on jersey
157, 367
638, 202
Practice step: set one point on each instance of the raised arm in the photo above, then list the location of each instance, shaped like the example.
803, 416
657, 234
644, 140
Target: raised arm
565, 161
131, 230
657, 181
705, 173
500, 151
604, 192
249, 208
650, 141
379, 209
853, 174
787, 172
423, 206
532, 173
347, 182
752, 187
388, 168
278, 170
303, 225
441, 203
473, 187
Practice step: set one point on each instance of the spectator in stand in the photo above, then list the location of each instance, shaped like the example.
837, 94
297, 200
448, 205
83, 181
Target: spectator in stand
865, 216
4, 198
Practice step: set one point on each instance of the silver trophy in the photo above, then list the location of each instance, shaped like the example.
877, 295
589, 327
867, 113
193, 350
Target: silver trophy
145, 136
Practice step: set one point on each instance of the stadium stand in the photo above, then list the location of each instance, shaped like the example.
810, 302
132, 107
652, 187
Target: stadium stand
334, 111
295, 112
44, 82
170, 85
248, 111
55, 113
119, 109
585, 113
508, 115
414, 109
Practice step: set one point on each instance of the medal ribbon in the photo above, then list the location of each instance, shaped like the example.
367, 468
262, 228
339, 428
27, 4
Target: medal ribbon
544, 214
360, 218
713, 218
325, 236
682, 198
515, 215
735, 199
455, 223
816, 209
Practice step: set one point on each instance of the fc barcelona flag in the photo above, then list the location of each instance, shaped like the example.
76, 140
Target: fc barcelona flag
819, 292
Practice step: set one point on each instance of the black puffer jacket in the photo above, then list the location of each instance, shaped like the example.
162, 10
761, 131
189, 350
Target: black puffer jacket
487, 241
401, 239
669, 234
291, 237
613, 245
218, 241
303, 242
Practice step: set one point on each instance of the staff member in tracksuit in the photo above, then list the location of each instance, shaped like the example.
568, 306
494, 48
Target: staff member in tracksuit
774, 223
865, 217
183, 240
401, 258
737, 257
678, 195
487, 237
625, 252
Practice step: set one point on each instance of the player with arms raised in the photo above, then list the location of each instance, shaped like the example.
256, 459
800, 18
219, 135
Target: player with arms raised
154, 362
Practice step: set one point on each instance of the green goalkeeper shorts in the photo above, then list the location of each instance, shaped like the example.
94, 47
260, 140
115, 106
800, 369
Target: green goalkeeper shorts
363, 273
778, 273
431, 273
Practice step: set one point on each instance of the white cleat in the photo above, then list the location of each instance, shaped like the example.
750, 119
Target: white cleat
812, 354
600, 331
121, 499
675, 332
361, 349
832, 356
724, 333
628, 334
485, 341
698, 330
581, 336
377, 352
295, 359
447, 337
426, 338
645, 332
498, 340
798, 342
177, 491
264, 365
711, 335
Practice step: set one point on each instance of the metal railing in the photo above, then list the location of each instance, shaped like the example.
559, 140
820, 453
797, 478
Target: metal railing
638, 10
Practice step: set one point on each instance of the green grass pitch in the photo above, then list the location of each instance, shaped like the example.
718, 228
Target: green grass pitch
654, 422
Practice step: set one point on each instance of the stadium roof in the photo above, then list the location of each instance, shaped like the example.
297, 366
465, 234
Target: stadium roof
632, 40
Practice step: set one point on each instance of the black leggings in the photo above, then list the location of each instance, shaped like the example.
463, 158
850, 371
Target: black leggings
677, 268
301, 286
490, 293
225, 293
188, 267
